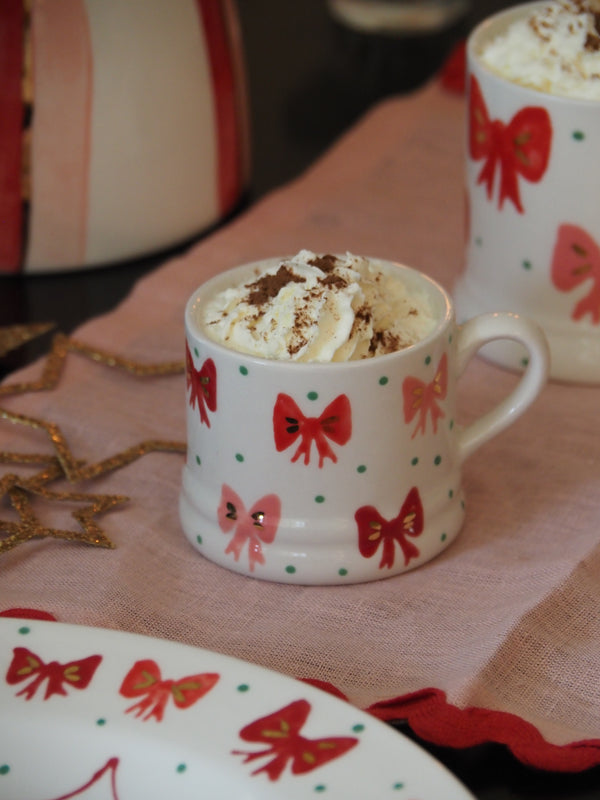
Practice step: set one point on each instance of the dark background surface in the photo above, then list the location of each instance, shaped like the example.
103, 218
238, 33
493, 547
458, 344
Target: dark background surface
309, 80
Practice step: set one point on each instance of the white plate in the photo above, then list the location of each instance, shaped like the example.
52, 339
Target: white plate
105, 715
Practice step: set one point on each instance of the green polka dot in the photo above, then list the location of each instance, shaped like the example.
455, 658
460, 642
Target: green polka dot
319, 499
320, 788
414, 461
243, 370
198, 461
342, 572
526, 264
579, 136
361, 468
25, 629
4, 769
199, 539
181, 768
313, 395
358, 728
443, 537
383, 381
290, 569
524, 362
100, 722
437, 460
478, 241
451, 494
243, 687
451, 424
397, 786
239, 457
428, 360
196, 353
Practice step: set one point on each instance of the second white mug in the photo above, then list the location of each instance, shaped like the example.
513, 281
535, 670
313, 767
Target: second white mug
533, 211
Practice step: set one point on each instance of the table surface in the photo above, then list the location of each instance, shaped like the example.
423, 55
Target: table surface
331, 77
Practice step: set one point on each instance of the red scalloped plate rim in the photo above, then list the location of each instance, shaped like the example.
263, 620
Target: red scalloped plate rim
28, 613
431, 717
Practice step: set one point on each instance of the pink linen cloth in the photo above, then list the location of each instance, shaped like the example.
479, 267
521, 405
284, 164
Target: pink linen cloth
505, 620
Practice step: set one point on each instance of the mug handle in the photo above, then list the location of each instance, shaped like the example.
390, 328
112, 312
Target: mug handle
471, 337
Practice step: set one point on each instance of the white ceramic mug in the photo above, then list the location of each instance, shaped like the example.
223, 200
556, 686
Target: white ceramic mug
332, 473
533, 207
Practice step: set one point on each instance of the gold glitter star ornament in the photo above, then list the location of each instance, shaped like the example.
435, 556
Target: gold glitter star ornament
13, 336
21, 492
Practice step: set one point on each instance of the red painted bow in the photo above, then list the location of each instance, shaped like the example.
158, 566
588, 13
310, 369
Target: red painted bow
280, 731
520, 148
26, 665
576, 259
256, 526
144, 680
374, 530
421, 398
109, 769
203, 385
289, 423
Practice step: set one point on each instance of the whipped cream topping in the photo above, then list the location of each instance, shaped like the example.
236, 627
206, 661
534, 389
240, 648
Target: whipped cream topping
319, 308
556, 49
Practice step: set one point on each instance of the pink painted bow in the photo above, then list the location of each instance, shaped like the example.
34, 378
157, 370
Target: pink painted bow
576, 259
254, 527
423, 398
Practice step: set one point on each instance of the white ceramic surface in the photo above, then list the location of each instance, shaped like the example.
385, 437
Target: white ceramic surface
534, 227
93, 713
336, 473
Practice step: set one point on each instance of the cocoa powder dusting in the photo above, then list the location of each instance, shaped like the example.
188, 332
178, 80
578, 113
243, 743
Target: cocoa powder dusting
265, 288
364, 314
537, 29
383, 342
592, 43
302, 322
336, 281
326, 263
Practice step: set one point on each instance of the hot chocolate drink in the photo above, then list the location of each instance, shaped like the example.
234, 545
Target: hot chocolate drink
319, 308
555, 49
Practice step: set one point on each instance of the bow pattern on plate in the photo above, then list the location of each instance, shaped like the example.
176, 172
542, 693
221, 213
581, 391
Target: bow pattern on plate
374, 530
26, 665
144, 680
421, 398
289, 423
256, 526
109, 770
203, 385
280, 731
576, 259
520, 148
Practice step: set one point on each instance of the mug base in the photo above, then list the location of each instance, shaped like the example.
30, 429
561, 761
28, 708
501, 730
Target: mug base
323, 562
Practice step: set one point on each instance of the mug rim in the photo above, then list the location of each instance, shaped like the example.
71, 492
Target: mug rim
501, 19
220, 280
